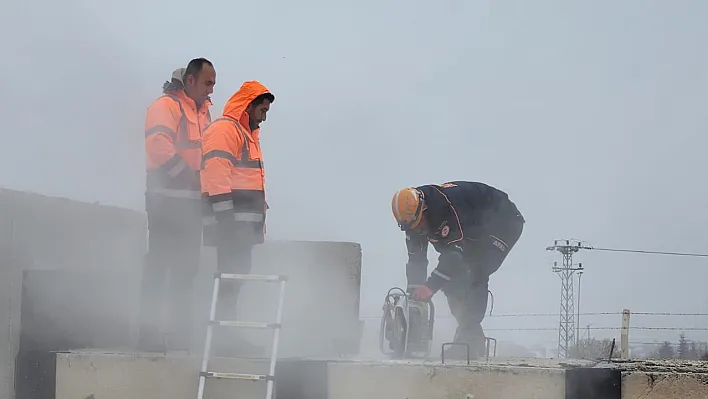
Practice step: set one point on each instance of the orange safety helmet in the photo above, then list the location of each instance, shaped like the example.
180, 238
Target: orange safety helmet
408, 205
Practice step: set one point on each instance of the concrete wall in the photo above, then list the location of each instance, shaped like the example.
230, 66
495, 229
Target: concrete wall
663, 379
10, 286
321, 312
643, 385
40, 232
97, 309
51, 233
42, 235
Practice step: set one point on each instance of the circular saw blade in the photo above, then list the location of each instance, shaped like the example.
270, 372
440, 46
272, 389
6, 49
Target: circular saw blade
400, 334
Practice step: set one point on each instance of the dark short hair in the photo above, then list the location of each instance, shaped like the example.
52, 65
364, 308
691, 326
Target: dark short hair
195, 66
265, 96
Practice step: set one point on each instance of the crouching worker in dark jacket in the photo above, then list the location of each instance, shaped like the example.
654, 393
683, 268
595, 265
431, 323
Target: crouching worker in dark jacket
473, 226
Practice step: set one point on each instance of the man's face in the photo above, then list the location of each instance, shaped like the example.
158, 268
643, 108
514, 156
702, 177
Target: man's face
200, 87
257, 113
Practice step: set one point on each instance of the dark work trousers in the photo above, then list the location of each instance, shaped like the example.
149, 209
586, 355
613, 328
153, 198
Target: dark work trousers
172, 261
234, 255
467, 296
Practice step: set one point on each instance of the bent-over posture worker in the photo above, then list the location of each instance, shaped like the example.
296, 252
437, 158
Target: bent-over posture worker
233, 186
473, 226
173, 132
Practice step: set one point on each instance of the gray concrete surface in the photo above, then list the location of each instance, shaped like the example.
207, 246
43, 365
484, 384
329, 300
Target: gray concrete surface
114, 376
109, 376
643, 385
140, 376
435, 381
664, 379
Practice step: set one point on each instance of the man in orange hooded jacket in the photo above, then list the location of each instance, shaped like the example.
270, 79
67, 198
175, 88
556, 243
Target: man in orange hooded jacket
233, 187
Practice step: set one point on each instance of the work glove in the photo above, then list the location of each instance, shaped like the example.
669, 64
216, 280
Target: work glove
422, 293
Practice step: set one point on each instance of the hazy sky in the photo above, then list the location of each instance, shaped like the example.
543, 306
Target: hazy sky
589, 114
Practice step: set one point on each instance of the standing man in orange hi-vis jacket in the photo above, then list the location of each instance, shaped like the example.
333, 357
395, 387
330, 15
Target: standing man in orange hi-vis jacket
173, 133
233, 185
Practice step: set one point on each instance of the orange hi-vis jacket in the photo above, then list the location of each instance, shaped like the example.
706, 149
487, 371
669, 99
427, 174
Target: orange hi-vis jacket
173, 133
232, 175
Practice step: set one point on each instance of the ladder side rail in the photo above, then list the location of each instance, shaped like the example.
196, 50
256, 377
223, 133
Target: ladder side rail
276, 339
209, 334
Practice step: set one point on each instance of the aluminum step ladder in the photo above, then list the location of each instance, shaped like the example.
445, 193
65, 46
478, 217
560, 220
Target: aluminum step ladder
270, 377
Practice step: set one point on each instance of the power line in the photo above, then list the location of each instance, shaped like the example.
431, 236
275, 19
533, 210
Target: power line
635, 343
666, 314
638, 251
689, 341
597, 314
557, 314
599, 328
602, 328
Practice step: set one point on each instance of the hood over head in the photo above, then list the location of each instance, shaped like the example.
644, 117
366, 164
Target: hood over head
236, 105
175, 83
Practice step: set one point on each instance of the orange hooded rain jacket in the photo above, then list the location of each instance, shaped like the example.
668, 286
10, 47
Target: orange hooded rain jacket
173, 132
232, 174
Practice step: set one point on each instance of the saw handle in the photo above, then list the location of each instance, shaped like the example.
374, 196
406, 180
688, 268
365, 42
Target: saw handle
392, 296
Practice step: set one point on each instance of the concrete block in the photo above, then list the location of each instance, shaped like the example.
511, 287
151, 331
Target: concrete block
436, 381
593, 383
124, 375
76, 309
58, 233
118, 376
114, 376
321, 312
653, 385
10, 301
69, 309
664, 379
141, 376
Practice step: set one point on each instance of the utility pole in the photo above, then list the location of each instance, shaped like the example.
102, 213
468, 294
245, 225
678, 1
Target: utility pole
566, 328
577, 321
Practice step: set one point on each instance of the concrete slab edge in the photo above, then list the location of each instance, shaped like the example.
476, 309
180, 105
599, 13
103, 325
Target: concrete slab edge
36, 378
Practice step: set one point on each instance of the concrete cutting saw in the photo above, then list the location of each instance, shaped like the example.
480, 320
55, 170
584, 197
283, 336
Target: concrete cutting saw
406, 325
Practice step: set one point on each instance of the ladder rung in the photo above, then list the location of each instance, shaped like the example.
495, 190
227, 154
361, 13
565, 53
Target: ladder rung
246, 324
250, 277
238, 376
